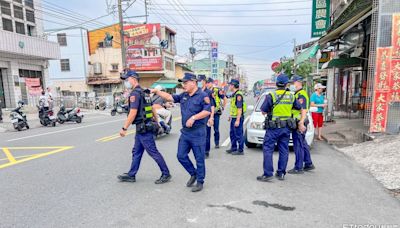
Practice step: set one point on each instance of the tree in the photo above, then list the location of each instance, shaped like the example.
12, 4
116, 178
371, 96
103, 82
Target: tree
304, 69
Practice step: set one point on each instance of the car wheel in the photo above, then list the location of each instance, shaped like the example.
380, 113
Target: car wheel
248, 144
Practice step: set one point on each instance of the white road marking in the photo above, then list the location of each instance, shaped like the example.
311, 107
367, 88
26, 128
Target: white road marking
64, 130
228, 140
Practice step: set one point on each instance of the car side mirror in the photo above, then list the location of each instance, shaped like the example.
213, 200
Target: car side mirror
250, 108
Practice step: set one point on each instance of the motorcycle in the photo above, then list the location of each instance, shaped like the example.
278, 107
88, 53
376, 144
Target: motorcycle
119, 108
164, 130
69, 115
46, 117
18, 118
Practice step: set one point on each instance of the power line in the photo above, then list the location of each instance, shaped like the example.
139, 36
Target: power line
249, 16
246, 4
244, 10
239, 25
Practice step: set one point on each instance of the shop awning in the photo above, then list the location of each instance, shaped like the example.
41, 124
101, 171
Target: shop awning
355, 12
342, 63
167, 84
307, 54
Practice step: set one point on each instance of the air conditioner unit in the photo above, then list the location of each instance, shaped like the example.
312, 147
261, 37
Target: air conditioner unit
97, 68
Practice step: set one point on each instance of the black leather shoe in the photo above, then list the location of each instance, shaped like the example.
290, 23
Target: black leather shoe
264, 178
295, 171
207, 155
163, 179
237, 153
216, 146
198, 187
126, 178
280, 176
230, 151
191, 181
309, 168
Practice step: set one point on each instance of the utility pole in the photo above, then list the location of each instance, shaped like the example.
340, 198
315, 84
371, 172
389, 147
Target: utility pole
294, 56
201, 43
121, 31
145, 9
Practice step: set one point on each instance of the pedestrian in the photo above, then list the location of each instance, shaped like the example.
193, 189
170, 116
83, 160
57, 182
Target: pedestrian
195, 108
302, 150
144, 117
220, 104
318, 100
278, 107
202, 84
236, 118
49, 97
43, 103
159, 105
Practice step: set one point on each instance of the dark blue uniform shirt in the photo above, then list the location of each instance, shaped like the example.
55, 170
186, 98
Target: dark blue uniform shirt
268, 103
239, 100
192, 105
134, 98
302, 101
210, 95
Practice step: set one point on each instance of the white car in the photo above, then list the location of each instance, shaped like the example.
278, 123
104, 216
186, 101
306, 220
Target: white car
254, 133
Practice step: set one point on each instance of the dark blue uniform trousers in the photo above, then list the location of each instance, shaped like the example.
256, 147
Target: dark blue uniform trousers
195, 140
281, 136
146, 142
301, 149
216, 133
236, 135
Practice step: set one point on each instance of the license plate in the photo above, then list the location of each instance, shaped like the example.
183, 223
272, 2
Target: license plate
14, 121
52, 117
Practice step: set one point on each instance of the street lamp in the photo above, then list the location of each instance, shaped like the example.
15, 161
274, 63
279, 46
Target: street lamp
318, 56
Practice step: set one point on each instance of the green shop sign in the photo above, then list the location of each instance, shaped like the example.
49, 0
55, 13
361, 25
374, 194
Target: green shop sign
320, 17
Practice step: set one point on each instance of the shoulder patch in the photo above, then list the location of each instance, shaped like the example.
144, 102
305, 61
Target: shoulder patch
301, 100
132, 99
239, 98
207, 100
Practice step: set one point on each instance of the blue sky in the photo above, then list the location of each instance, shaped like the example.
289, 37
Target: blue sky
254, 47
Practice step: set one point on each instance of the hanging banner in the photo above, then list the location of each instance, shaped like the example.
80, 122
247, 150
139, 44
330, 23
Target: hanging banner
143, 52
214, 59
381, 90
320, 17
33, 86
396, 36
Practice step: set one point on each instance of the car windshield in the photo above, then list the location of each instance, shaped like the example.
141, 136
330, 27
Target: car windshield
262, 98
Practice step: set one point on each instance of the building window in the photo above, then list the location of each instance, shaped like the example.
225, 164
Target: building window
64, 65
29, 3
19, 28
18, 1
114, 67
18, 12
31, 30
5, 8
62, 39
169, 64
7, 25
30, 15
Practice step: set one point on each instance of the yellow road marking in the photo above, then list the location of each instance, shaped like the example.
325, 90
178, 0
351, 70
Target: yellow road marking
34, 156
17, 157
116, 136
9, 156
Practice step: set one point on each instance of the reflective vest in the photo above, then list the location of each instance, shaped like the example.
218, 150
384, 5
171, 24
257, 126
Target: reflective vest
234, 109
297, 113
145, 111
217, 99
283, 109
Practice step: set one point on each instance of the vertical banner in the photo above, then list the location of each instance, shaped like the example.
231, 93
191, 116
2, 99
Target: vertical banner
396, 36
395, 81
320, 17
381, 90
214, 59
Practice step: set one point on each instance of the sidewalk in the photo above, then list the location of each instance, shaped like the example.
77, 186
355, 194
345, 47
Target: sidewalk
379, 157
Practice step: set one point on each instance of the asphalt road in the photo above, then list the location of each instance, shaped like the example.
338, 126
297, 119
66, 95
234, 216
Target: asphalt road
67, 178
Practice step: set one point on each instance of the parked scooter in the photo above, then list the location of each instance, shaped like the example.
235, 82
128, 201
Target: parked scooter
46, 117
18, 118
69, 115
119, 108
100, 104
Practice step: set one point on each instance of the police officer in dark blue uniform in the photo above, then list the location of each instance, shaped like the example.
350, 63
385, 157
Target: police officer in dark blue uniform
278, 106
141, 114
202, 83
195, 108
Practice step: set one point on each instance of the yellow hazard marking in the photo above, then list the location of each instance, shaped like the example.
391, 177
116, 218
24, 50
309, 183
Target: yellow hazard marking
16, 160
130, 132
